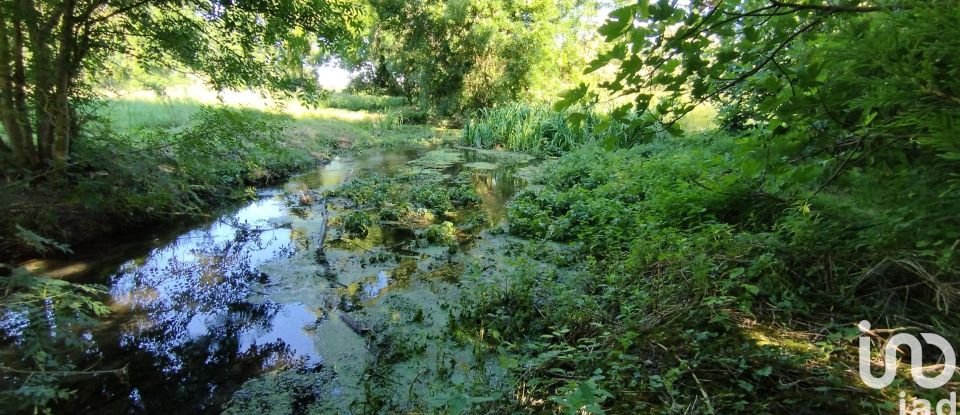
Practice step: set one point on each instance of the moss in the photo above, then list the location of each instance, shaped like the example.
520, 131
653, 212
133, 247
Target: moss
480, 165
450, 272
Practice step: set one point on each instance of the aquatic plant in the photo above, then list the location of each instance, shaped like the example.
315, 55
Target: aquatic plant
357, 224
442, 233
521, 127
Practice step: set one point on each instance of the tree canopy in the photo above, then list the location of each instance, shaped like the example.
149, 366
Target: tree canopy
459, 55
852, 76
50, 50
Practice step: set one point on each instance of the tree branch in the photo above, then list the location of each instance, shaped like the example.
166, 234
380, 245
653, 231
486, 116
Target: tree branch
829, 8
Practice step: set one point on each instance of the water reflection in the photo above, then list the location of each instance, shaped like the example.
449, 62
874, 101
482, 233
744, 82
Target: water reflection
193, 320
183, 323
495, 185
373, 288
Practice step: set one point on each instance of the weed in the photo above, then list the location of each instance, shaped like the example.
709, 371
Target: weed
442, 234
687, 280
357, 224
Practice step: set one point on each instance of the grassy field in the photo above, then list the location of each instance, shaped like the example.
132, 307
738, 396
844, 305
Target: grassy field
344, 121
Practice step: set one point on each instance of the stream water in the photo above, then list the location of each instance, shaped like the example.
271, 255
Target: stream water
198, 313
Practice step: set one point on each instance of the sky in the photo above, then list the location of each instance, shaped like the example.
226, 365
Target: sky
333, 77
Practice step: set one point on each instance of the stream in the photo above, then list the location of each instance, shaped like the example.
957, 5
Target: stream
201, 311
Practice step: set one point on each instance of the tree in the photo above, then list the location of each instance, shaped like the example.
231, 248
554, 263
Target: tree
49, 48
458, 54
821, 86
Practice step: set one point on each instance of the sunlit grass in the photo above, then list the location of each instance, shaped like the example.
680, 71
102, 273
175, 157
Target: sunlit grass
365, 122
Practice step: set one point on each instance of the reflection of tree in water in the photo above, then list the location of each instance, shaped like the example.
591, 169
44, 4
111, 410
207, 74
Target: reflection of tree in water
181, 323
495, 187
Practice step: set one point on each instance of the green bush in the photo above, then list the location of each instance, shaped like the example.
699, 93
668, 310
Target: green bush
357, 224
46, 326
442, 233
362, 102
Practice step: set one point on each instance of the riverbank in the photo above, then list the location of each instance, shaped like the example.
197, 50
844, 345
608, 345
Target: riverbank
149, 160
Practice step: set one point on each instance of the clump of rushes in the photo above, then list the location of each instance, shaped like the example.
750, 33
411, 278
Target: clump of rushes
535, 129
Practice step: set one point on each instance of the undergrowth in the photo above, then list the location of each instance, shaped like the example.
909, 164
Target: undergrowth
524, 128
150, 175
697, 293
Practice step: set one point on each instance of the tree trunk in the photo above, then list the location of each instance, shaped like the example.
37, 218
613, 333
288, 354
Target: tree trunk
13, 105
7, 112
62, 114
42, 80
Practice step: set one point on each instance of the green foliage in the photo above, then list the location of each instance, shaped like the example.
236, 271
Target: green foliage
357, 224
823, 196
820, 87
46, 329
50, 51
38, 243
681, 253
394, 196
519, 127
152, 174
371, 190
362, 102
455, 55
543, 131
442, 233
281, 392
415, 199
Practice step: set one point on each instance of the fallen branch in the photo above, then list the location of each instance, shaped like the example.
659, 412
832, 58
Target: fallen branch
354, 325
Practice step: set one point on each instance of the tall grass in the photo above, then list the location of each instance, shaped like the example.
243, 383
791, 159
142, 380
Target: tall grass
362, 102
518, 127
127, 115
539, 130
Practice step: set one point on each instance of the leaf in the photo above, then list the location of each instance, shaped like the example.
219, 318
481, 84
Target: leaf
643, 9
570, 97
764, 372
576, 120
458, 403
617, 22
586, 397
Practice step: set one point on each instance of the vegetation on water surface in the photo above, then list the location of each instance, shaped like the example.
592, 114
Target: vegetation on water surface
693, 285
415, 199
